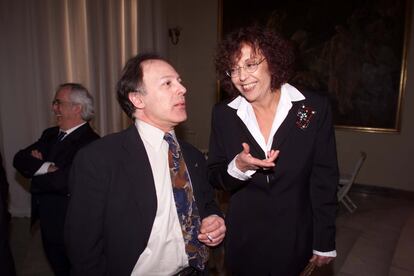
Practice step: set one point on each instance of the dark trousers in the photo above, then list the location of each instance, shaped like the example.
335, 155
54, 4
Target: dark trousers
52, 213
7, 267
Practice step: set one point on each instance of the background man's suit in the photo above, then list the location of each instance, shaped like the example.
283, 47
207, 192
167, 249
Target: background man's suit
296, 199
50, 191
118, 204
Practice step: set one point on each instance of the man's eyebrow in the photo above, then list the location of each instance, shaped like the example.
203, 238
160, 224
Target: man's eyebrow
170, 77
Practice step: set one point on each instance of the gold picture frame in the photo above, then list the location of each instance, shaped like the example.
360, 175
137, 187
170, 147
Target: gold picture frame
354, 52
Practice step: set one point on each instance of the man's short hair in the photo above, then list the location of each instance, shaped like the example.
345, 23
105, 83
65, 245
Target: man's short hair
80, 95
132, 80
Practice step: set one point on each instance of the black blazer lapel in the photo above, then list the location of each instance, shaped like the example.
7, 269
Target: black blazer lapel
247, 137
203, 192
57, 147
255, 149
193, 164
76, 135
138, 172
286, 127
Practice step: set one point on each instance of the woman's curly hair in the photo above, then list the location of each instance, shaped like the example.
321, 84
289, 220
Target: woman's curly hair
278, 51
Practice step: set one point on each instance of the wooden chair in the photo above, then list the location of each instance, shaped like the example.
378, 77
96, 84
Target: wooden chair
346, 181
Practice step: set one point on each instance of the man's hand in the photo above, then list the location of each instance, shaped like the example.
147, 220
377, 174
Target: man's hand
37, 154
52, 168
320, 260
245, 161
212, 230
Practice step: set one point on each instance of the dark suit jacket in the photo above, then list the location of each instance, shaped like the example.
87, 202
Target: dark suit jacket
277, 217
61, 153
113, 203
6, 259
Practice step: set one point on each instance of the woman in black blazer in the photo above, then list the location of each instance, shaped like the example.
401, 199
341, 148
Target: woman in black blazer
273, 147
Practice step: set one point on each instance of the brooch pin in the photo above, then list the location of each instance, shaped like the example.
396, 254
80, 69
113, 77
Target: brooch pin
304, 115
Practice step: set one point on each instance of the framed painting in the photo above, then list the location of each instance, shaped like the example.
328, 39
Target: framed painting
352, 51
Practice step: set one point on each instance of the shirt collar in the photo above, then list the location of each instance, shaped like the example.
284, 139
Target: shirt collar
153, 136
68, 131
288, 91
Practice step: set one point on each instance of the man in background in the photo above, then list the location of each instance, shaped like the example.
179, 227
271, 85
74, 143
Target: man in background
140, 201
6, 259
48, 161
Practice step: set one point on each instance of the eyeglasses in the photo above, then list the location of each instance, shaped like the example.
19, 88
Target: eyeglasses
249, 67
59, 102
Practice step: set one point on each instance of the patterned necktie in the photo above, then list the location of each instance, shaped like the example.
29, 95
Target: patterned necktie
60, 136
186, 207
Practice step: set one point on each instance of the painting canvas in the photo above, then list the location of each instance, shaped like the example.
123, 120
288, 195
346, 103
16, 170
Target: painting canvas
352, 51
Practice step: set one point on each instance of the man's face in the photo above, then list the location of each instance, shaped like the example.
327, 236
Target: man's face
67, 113
163, 103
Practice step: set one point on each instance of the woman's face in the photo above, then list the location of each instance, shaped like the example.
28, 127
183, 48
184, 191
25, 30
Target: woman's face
254, 86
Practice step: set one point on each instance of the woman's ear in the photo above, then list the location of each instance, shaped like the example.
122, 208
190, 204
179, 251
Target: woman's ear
136, 100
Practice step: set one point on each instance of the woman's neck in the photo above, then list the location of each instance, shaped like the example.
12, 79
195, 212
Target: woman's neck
268, 103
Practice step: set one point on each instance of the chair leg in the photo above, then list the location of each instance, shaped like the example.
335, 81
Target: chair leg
346, 206
349, 204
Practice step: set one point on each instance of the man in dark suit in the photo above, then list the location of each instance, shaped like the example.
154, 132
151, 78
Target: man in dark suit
127, 215
6, 259
47, 162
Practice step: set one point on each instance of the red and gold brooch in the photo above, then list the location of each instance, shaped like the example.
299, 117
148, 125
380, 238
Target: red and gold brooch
304, 116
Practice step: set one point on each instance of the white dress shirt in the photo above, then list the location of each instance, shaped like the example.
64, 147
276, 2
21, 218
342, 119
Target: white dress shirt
246, 113
165, 252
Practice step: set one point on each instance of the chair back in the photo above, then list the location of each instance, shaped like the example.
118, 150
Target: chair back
346, 183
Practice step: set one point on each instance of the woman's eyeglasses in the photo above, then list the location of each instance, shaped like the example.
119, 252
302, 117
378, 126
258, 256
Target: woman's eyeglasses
249, 67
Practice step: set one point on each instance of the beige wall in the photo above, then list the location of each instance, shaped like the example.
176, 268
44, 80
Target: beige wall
193, 59
390, 156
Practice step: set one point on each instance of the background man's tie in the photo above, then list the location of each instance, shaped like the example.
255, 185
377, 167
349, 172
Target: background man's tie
61, 134
186, 206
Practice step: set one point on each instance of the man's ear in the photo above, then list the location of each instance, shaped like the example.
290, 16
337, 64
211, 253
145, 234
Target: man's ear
136, 100
78, 108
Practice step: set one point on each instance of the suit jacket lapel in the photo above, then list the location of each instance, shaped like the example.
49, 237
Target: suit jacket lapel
73, 136
286, 127
197, 177
55, 147
247, 137
280, 136
190, 162
58, 146
139, 174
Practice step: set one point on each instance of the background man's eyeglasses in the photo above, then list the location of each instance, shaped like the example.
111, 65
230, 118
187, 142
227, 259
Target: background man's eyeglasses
249, 67
59, 102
